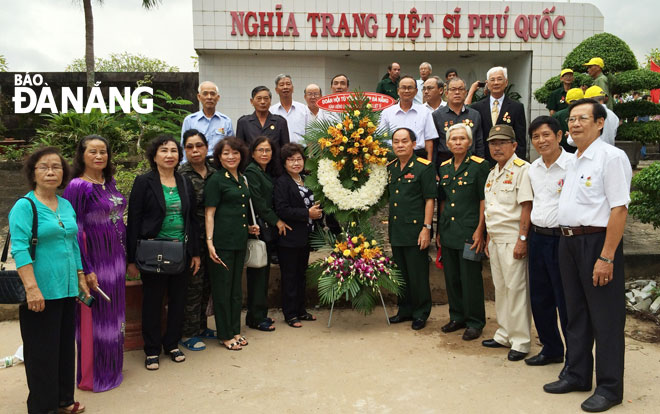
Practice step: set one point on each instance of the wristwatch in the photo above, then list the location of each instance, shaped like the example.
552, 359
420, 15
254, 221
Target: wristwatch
605, 259
522, 237
428, 226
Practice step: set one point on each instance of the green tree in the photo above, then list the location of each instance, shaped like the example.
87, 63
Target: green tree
3, 64
89, 35
653, 55
123, 62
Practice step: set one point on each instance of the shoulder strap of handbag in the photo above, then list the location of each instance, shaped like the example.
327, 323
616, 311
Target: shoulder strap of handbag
33, 240
254, 218
186, 222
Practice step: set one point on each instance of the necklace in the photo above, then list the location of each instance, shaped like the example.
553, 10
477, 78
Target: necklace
299, 181
96, 181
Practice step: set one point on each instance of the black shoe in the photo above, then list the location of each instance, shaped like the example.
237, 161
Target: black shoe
516, 355
563, 387
564, 371
452, 326
541, 359
471, 333
491, 343
597, 404
418, 324
398, 318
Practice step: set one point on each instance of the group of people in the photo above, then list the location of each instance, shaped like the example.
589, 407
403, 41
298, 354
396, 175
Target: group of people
552, 231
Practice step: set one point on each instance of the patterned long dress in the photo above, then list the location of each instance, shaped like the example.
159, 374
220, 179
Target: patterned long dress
102, 238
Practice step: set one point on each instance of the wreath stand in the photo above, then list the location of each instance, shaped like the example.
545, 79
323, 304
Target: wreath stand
387, 318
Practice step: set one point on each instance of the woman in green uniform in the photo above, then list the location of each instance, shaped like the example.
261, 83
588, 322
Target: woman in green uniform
226, 215
264, 166
460, 224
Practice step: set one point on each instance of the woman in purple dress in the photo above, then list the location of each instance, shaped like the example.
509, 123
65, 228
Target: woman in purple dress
102, 238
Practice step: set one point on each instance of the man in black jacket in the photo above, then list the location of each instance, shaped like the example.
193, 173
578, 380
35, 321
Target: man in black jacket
500, 109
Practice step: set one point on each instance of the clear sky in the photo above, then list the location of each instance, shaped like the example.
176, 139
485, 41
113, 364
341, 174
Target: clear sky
46, 35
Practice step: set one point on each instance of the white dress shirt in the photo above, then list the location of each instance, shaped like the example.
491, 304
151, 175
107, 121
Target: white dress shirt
418, 118
442, 103
296, 119
547, 184
596, 182
419, 98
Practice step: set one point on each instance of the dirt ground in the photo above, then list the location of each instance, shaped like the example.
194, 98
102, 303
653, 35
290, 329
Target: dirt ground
359, 365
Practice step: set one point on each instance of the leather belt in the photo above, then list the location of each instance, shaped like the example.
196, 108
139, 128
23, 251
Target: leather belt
579, 231
546, 231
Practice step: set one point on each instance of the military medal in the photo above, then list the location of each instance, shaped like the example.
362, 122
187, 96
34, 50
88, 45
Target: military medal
272, 127
408, 176
588, 182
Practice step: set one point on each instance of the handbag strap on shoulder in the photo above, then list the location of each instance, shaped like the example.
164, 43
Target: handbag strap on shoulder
33, 240
254, 218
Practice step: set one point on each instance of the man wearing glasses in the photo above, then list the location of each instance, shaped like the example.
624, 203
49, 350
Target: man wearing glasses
455, 112
214, 125
432, 90
408, 114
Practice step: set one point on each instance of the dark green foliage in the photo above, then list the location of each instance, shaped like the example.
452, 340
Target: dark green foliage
646, 132
615, 53
629, 110
635, 80
645, 203
543, 93
508, 92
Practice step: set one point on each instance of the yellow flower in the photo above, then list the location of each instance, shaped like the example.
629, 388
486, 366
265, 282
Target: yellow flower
354, 178
358, 249
368, 106
360, 131
356, 113
365, 149
341, 148
366, 244
330, 259
350, 126
354, 239
357, 144
371, 125
344, 140
374, 242
339, 126
355, 161
353, 224
347, 252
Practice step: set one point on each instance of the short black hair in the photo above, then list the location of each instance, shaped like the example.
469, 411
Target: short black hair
31, 163
411, 133
235, 144
289, 150
258, 89
408, 77
451, 70
158, 142
438, 81
193, 132
348, 82
273, 168
79, 158
598, 110
551, 122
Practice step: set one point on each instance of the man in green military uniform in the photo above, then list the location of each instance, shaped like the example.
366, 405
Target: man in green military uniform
412, 191
562, 116
595, 68
389, 85
557, 99
461, 224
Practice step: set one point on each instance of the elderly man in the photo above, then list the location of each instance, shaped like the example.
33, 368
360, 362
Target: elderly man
433, 88
608, 134
214, 125
389, 85
294, 112
547, 175
312, 93
412, 191
498, 109
595, 70
557, 99
593, 207
572, 95
262, 121
339, 83
408, 114
508, 204
425, 70
455, 112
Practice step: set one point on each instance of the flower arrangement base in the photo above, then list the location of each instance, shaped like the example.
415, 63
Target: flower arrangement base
387, 317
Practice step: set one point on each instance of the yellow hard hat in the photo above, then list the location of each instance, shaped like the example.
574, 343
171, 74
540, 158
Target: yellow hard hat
565, 71
594, 92
595, 61
573, 95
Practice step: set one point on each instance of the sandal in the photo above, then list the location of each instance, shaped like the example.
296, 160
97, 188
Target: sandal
176, 355
307, 317
152, 360
241, 340
193, 344
294, 323
270, 321
207, 334
75, 409
265, 326
232, 346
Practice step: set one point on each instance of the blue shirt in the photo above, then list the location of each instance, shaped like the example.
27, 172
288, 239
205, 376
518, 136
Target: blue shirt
214, 129
57, 256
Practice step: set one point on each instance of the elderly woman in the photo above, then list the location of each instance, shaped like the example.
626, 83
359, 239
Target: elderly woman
198, 169
294, 202
52, 274
99, 208
461, 226
227, 197
162, 206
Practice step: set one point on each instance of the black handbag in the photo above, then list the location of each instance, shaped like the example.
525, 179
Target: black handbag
12, 290
268, 232
163, 256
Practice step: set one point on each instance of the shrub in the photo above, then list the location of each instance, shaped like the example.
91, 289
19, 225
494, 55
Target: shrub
635, 80
645, 132
629, 110
615, 53
543, 93
125, 176
645, 199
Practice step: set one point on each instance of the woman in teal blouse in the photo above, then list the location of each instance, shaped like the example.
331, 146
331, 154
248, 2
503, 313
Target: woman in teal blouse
52, 281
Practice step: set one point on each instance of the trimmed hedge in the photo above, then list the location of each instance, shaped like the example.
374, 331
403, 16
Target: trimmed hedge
635, 80
615, 53
629, 110
543, 93
645, 200
645, 132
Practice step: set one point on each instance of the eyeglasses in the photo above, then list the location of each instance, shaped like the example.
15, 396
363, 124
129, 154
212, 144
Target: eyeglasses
197, 145
264, 150
45, 168
407, 88
294, 160
313, 94
579, 119
455, 90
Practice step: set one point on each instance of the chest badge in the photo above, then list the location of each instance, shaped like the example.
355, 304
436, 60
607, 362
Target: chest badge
560, 185
221, 131
445, 176
409, 176
272, 127
588, 182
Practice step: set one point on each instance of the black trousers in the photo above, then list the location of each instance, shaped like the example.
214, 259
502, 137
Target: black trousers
293, 265
49, 352
546, 292
594, 314
154, 288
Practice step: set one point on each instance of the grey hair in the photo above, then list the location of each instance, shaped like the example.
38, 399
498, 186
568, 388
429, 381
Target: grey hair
496, 69
439, 81
305, 90
282, 76
461, 125
199, 88
456, 79
426, 64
